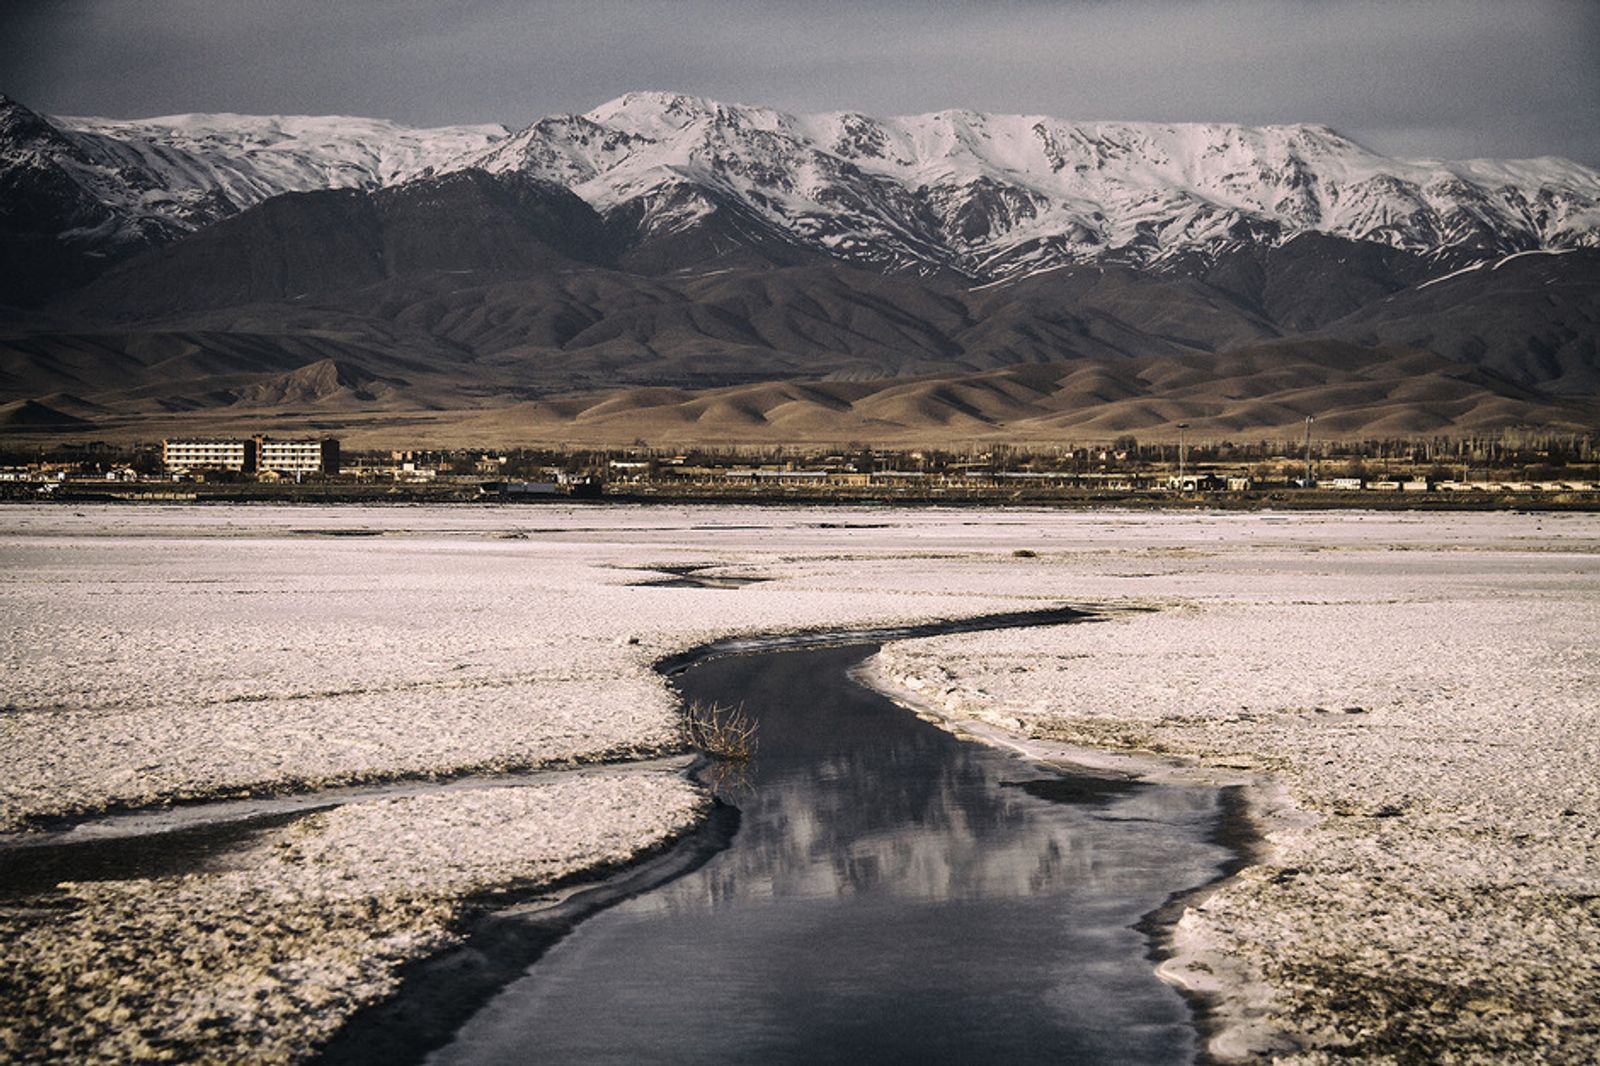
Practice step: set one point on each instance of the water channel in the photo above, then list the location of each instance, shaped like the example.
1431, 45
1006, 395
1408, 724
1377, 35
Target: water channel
890, 894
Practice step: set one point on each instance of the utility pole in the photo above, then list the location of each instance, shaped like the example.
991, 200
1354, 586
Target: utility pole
1308, 452
1181, 427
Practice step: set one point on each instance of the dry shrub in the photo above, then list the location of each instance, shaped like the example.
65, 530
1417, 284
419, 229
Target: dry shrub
726, 732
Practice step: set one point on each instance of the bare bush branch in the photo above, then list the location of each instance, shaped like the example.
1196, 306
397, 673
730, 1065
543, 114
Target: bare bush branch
726, 732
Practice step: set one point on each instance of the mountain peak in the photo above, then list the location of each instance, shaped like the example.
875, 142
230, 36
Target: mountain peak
18, 123
654, 99
663, 114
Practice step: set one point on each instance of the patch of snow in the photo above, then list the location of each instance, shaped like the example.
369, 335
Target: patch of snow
1453, 274
1531, 251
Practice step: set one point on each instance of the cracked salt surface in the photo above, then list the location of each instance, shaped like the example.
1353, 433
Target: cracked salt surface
1432, 878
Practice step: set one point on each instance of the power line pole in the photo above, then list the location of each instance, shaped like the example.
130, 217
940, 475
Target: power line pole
1181, 427
1309, 480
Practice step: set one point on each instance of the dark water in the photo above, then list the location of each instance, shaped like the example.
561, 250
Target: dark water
32, 869
892, 894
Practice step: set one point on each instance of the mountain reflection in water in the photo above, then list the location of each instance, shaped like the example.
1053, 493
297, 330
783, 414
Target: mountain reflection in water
893, 895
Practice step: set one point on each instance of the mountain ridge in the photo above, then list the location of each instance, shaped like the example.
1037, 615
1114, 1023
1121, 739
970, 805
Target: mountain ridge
712, 250
995, 195
983, 196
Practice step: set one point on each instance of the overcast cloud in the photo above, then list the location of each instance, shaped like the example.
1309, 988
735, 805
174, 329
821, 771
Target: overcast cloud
1452, 78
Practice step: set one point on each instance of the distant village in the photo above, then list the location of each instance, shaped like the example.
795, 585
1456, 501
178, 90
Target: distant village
192, 467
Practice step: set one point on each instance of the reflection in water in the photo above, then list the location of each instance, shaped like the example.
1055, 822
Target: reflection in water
893, 894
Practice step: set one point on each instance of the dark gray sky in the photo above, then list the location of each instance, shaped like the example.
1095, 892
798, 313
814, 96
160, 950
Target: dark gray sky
1452, 78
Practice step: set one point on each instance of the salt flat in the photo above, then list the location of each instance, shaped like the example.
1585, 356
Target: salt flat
158, 654
1413, 701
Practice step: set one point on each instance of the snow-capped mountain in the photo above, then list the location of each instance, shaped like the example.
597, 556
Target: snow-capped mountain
997, 195
181, 172
248, 158
980, 196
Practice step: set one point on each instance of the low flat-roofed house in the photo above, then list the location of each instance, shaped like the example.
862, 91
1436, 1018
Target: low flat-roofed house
1196, 483
1345, 483
303, 456
180, 455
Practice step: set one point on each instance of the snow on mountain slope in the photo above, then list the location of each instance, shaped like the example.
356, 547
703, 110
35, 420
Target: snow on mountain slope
250, 157
986, 195
163, 176
996, 195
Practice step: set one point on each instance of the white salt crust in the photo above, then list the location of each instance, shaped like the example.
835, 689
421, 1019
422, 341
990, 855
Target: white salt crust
1420, 713
263, 958
1424, 887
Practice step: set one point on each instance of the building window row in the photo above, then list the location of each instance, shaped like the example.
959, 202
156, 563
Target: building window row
252, 454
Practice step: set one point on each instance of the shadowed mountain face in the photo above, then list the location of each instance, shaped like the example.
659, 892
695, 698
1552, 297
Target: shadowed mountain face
55, 234
819, 353
497, 307
1312, 280
326, 243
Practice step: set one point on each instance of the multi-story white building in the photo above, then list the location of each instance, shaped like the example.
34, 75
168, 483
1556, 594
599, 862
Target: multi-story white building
181, 456
249, 455
298, 456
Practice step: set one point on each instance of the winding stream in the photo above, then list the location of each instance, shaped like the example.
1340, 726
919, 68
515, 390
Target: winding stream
892, 894
871, 888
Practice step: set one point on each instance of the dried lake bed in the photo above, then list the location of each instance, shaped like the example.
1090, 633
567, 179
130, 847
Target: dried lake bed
1411, 701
